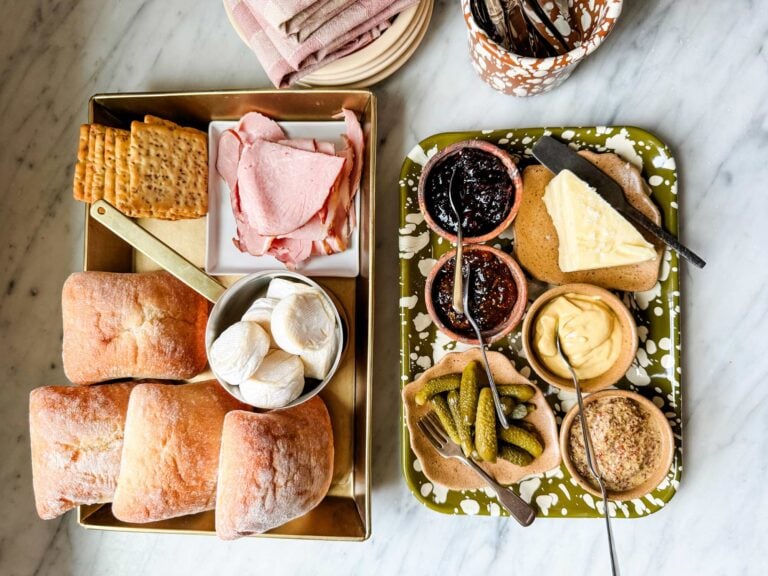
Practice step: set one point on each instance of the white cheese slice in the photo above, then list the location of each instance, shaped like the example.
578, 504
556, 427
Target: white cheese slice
591, 233
302, 322
278, 381
261, 313
238, 351
317, 363
280, 288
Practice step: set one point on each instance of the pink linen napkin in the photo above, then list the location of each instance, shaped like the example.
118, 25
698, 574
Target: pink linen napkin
279, 71
304, 24
357, 19
279, 13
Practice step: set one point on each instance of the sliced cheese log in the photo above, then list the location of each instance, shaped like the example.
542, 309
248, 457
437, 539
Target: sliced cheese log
317, 363
302, 322
591, 233
239, 351
261, 313
278, 381
279, 288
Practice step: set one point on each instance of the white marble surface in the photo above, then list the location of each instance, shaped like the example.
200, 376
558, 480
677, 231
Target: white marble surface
696, 73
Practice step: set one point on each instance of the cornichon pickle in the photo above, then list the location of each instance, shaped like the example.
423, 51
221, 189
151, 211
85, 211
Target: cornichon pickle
522, 392
522, 438
514, 410
465, 436
514, 454
469, 391
519, 412
485, 427
440, 406
443, 383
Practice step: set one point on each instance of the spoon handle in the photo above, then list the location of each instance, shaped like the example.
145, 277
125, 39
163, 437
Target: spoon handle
590, 453
492, 383
458, 276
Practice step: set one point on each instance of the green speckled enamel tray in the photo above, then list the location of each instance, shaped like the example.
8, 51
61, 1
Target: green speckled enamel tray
655, 373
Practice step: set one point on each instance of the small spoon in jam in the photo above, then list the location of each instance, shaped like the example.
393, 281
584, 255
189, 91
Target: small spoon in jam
476, 327
454, 195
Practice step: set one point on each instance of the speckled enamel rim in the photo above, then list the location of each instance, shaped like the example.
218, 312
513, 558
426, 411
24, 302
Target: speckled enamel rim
514, 175
665, 457
517, 310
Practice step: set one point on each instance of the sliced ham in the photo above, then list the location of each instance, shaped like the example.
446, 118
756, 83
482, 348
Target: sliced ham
281, 187
355, 135
291, 198
254, 126
291, 251
228, 157
308, 144
326, 148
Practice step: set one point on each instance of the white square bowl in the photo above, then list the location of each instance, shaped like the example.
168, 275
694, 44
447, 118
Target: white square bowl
222, 258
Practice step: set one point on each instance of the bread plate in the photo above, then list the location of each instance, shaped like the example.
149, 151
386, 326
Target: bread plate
656, 369
344, 514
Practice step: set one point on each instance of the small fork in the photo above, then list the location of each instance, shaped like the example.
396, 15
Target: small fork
434, 432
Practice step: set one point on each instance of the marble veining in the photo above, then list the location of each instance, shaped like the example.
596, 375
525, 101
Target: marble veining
694, 73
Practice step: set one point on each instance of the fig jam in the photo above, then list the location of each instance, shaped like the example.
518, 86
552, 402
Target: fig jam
492, 295
487, 191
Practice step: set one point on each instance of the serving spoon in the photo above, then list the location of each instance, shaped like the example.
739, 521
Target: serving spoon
476, 327
454, 196
591, 462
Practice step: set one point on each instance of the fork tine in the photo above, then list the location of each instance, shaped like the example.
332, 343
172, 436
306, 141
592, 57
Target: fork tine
437, 427
427, 432
434, 432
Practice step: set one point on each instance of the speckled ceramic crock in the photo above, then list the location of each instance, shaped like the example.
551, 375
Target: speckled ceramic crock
518, 75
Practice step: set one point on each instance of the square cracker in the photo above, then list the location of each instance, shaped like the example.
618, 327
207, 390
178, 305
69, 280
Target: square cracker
149, 119
78, 186
122, 174
168, 173
109, 166
110, 141
94, 165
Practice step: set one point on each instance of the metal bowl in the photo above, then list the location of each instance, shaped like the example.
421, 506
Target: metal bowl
236, 300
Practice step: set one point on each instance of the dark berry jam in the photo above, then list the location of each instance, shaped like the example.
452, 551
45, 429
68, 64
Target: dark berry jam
492, 294
487, 191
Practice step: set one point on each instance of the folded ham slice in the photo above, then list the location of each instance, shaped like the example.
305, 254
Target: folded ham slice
291, 198
282, 187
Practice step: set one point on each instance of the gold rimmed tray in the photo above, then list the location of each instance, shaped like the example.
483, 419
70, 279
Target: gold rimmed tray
344, 514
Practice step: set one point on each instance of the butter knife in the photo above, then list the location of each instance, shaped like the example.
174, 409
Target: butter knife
558, 156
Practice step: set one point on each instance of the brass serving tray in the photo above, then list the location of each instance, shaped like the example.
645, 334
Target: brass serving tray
345, 513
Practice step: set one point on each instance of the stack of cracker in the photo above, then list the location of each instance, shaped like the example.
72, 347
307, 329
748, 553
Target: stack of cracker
158, 169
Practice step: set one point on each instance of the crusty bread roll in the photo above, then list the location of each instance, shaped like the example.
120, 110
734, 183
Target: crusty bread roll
274, 467
132, 325
171, 450
76, 435
537, 246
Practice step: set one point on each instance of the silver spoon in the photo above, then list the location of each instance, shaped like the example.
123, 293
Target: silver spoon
496, 401
454, 195
588, 449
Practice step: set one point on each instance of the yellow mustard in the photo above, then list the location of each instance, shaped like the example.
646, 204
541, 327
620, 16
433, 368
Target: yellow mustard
590, 335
